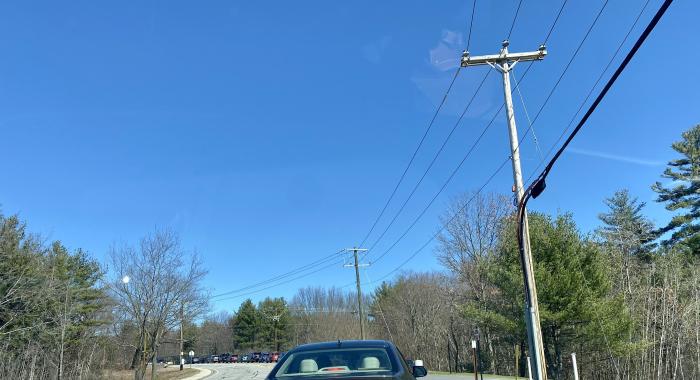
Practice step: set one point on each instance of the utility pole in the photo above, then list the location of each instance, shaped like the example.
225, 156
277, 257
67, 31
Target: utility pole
359, 288
275, 319
182, 325
504, 62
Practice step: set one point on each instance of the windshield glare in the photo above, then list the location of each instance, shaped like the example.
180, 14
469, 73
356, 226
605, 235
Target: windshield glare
337, 361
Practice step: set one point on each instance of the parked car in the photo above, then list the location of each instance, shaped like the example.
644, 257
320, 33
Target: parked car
214, 359
233, 358
347, 359
245, 358
225, 358
264, 357
255, 357
274, 357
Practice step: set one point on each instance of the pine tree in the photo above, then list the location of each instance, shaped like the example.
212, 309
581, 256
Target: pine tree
274, 323
246, 325
573, 285
683, 194
625, 227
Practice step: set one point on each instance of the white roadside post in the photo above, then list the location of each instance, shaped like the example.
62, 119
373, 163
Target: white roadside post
191, 354
476, 363
573, 363
529, 369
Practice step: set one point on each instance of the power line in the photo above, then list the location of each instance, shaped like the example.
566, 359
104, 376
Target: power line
432, 162
292, 272
568, 65
590, 92
327, 258
420, 143
434, 236
556, 19
444, 185
449, 178
512, 25
536, 188
471, 23
413, 157
334, 263
517, 85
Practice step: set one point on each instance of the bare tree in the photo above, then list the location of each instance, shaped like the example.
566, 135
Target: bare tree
473, 224
153, 285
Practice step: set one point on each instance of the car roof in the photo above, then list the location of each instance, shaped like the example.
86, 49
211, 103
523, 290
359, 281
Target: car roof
344, 344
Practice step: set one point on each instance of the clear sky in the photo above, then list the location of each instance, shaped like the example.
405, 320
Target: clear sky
270, 134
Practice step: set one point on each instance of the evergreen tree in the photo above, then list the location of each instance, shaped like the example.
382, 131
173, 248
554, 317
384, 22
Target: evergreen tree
624, 226
573, 287
683, 194
246, 325
275, 323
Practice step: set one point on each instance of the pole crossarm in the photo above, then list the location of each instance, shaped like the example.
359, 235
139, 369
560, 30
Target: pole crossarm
504, 57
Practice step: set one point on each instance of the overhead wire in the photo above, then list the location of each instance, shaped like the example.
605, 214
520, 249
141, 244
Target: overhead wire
442, 188
292, 272
515, 18
228, 297
471, 24
592, 89
432, 162
413, 157
517, 85
538, 184
393, 193
566, 68
425, 134
327, 258
556, 19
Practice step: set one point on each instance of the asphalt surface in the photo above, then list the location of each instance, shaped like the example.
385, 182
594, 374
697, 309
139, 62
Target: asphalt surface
258, 371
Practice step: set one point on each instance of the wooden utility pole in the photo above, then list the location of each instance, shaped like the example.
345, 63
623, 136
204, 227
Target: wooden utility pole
359, 288
182, 337
504, 62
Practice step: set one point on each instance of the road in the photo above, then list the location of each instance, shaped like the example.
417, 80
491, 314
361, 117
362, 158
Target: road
258, 371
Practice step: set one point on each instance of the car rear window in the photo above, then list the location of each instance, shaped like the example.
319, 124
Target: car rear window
336, 361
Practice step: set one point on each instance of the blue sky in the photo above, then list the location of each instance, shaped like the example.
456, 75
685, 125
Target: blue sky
269, 134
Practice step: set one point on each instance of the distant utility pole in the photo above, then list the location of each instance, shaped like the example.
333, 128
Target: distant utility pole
504, 62
275, 319
182, 339
359, 288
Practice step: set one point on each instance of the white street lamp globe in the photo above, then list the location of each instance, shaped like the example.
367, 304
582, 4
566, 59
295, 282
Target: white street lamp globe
125, 279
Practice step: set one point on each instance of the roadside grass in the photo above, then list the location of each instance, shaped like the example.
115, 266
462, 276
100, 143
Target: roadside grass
169, 373
470, 375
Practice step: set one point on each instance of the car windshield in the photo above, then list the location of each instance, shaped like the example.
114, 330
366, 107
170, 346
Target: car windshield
336, 361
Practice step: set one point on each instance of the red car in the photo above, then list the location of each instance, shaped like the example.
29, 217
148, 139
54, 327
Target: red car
233, 359
274, 357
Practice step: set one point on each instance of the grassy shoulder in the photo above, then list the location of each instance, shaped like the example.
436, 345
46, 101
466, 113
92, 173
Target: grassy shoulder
169, 373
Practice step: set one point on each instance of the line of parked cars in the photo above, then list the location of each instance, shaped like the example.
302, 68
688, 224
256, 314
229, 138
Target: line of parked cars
252, 357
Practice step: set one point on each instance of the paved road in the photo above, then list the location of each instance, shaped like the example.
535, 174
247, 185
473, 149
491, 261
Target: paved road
243, 371
258, 371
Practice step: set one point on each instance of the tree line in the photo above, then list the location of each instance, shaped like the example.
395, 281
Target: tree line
625, 297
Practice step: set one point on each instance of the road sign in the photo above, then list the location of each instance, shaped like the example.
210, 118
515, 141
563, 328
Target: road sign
191, 353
